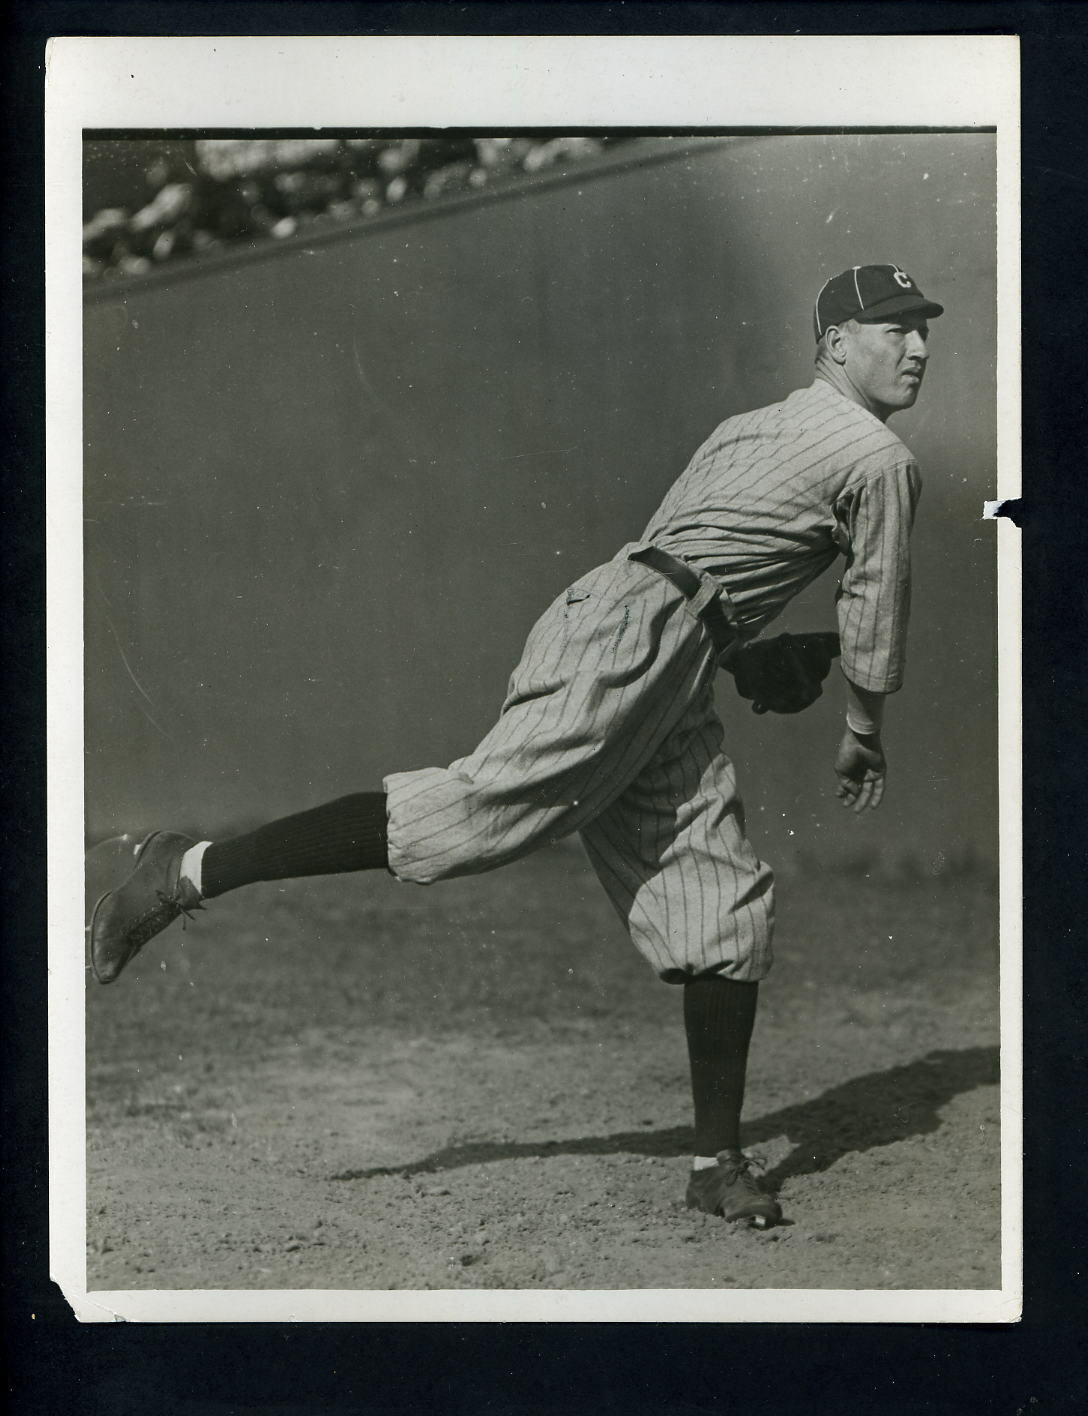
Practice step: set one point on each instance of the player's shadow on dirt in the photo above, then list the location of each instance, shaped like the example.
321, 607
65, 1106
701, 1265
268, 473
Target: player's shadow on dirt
877, 1109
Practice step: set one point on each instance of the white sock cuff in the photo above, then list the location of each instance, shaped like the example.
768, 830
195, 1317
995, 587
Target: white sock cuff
191, 863
704, 1162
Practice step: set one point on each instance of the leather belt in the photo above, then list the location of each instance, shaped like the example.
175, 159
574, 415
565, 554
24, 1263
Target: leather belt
706, 599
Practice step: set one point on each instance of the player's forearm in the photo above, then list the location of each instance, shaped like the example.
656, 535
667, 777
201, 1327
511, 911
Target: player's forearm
864, 710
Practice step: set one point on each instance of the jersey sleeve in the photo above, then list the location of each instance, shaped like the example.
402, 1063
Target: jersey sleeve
873, 602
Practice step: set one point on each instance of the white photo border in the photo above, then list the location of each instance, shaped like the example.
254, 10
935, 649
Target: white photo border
494, 82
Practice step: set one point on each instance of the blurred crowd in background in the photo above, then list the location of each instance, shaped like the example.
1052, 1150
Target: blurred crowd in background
148, 202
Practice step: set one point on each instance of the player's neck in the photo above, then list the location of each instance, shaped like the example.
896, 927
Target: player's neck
834, 375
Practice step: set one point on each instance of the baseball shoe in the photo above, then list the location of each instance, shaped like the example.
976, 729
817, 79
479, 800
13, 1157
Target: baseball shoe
152, 897
732, 1190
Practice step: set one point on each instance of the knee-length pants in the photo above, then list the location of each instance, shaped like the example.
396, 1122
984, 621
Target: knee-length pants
608, 729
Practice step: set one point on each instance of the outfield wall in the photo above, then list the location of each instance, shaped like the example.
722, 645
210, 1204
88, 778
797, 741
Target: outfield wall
329, 485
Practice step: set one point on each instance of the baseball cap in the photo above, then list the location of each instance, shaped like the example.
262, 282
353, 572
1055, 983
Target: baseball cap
870, 292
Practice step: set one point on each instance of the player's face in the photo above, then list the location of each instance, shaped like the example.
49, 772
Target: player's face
886, 361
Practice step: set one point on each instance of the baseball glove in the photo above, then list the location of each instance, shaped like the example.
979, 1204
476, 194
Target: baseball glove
784, 674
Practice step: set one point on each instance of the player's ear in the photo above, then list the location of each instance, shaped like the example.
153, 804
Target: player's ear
835, 343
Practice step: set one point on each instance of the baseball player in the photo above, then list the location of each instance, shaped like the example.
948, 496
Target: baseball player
609, 727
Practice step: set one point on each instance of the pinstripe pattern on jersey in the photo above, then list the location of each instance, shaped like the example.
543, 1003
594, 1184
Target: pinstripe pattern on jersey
775, 495
613, 687
608, 726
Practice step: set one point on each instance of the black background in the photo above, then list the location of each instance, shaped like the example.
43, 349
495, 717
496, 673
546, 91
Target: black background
53, 1364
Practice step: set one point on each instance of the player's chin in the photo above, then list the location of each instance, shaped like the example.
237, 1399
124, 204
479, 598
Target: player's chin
909, 391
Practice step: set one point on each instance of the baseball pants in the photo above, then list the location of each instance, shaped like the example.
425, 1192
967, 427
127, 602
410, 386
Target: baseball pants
608, 729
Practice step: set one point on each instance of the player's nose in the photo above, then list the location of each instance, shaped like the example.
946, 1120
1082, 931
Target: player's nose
916, 346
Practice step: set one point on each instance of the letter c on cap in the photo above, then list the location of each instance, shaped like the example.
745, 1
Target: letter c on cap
902, 278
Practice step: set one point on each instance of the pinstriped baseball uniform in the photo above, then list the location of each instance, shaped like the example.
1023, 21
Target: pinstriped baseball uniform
773, 496
609, 726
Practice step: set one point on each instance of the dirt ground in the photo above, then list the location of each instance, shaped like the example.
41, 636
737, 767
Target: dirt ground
350, 1083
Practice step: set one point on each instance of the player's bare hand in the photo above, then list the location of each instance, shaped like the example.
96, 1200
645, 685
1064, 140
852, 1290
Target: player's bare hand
861, 769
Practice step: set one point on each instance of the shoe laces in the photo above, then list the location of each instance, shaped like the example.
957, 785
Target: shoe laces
746, 1169
173, 898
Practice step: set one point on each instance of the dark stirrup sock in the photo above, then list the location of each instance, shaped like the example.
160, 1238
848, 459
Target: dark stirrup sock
719, 1015
342, 835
